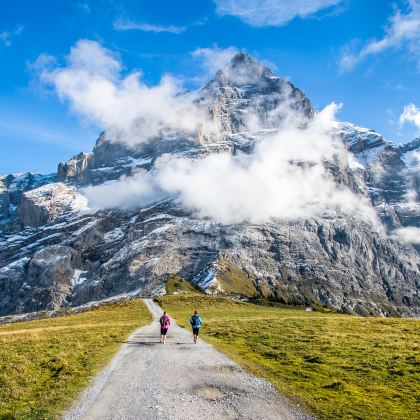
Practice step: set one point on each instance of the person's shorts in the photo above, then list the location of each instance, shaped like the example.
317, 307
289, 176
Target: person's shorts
163, 331
196, 330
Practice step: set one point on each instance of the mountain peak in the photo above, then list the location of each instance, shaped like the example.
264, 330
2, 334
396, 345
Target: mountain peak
242, 57
242, 70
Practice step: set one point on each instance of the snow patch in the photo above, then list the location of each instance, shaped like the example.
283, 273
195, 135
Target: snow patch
205, 278
161, 229
368, 157
57, 197
158, 217
113, 235
127, 162
15, 265
84, 228
366, 144
77, 278
29, 180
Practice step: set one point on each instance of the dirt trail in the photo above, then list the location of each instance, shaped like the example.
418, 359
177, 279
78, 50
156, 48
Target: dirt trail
178, 380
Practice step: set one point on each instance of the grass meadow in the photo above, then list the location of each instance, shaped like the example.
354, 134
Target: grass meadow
338, 366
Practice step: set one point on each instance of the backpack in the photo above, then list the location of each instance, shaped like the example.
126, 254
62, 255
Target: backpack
163, 321
194, 321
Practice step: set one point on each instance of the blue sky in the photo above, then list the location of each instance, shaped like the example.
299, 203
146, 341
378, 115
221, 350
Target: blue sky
364, 54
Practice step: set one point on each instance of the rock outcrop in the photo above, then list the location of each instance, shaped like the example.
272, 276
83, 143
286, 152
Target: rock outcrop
44, 204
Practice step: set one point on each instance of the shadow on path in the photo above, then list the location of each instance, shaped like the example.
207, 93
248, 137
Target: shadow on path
141, 343
153, 343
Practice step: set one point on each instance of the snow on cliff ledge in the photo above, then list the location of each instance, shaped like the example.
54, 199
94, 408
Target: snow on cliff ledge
50, 201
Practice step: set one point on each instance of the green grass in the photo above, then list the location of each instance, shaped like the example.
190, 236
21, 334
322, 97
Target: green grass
339, 366
177, 285
234, 280
45, 363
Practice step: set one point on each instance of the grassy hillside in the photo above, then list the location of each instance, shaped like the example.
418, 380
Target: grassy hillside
339, 366
45, 363
234, 280
177, 285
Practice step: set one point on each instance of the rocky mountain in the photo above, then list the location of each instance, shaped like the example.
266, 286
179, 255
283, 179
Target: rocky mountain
55, 252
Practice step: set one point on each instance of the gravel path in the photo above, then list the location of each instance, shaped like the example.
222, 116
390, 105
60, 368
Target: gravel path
178, 380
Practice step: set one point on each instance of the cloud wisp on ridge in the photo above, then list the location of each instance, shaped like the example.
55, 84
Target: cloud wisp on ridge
409, 234
213, 59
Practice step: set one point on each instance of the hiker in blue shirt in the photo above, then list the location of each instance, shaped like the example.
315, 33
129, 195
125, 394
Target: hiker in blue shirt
196, 322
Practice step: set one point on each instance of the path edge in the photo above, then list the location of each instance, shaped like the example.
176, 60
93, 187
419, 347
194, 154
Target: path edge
85, 399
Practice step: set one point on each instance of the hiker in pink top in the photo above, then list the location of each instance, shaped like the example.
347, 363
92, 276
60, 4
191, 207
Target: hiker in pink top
164, 325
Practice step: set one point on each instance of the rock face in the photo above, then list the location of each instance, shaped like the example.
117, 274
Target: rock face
4, 198
44, 204
12, 189
70, 170
53, 253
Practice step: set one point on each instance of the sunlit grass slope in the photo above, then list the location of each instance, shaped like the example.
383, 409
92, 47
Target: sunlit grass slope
45, 363
339, 366
177, 285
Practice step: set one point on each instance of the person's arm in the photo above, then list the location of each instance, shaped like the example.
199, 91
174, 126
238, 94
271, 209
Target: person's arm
201, 321
169, 321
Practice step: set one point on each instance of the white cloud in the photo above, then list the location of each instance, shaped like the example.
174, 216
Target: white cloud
128, 25
411, 114
128, 109
410, 234
6, 36
402, 32
271, 12
284, 177
213, 59
412, 159
127, 192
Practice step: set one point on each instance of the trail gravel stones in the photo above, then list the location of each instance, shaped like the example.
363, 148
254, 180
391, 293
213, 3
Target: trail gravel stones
178, 380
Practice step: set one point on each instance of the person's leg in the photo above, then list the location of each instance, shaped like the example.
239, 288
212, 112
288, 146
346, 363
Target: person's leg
195, 333
164, 336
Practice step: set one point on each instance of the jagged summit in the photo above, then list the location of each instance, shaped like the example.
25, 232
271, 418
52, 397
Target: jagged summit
243, 62
241, 57
244, 87
244, 70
